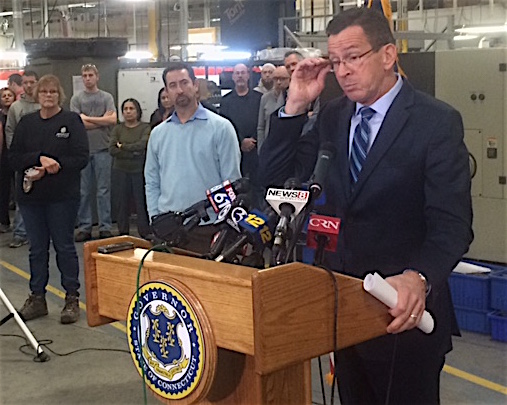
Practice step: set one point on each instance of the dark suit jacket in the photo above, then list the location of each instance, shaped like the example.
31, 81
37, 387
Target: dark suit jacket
411, 206
243, 112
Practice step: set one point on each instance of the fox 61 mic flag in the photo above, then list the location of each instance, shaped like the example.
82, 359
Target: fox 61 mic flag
221, 195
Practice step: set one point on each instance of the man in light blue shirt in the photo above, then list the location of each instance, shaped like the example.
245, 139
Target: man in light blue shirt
192, 151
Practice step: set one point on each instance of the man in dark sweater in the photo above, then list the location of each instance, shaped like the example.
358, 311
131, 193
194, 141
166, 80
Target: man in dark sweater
241, 107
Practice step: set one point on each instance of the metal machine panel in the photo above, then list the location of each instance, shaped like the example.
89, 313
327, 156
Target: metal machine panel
473, 140
143, 85
474, 81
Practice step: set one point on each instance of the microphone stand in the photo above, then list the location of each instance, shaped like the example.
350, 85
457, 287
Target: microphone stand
318, 259
179, 239
300, 222
41, 355
318, 262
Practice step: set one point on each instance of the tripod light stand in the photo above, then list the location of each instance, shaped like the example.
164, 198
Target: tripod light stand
41, 355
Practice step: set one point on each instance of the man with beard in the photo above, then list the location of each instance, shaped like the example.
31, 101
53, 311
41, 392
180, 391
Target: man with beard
192, 151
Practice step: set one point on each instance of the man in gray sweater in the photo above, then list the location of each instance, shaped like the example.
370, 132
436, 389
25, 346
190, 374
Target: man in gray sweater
98, 112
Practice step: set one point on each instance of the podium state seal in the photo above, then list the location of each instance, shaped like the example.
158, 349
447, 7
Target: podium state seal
169, 338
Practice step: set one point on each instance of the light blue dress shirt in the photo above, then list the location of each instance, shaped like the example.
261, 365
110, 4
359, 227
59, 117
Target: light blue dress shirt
381, 106
185, 160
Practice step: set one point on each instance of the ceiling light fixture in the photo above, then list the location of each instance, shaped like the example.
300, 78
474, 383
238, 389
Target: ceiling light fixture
82, 5
138, 55
465, 37
225, 55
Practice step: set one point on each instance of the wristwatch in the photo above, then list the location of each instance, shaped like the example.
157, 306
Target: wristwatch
427, 286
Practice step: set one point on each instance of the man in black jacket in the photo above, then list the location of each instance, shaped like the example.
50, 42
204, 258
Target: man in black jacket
241, 107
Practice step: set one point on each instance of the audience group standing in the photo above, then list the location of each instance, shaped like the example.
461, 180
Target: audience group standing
110, 146
56, 159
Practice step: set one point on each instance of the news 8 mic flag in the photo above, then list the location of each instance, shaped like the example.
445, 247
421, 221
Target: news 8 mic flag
276, 197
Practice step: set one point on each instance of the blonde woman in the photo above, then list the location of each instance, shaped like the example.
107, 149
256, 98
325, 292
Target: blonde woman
49, 149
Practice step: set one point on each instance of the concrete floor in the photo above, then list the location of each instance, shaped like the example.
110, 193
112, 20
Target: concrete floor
102, 371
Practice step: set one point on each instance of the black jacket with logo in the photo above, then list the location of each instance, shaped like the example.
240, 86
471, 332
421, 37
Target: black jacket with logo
61, 137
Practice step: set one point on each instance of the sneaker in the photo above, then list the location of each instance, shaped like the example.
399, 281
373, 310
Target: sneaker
35, 307
18, 241
70, 312
5, 228
83, 236
105, 234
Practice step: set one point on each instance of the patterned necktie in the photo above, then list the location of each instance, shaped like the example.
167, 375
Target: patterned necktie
360, 143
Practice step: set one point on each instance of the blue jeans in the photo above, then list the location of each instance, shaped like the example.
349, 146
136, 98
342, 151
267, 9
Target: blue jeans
98, 169
52, 221
18, 228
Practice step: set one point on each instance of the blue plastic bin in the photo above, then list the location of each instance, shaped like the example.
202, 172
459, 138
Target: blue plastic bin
498, 321
499, 290
472, 320
470, 290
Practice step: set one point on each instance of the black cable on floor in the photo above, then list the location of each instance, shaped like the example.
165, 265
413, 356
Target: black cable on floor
46, 342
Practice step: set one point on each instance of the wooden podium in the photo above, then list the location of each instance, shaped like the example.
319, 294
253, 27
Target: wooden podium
267, 324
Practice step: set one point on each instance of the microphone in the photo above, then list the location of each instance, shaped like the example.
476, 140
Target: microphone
231, 251
326, 227
317, 179
288, 203
257, 224
228, 218
255, 229
261, 226
222, 194
219, 196
238, 212
322, 235
276, 197
218, 242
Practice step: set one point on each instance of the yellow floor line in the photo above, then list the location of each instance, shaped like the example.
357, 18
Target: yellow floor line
476, 380
56, 292
448, 369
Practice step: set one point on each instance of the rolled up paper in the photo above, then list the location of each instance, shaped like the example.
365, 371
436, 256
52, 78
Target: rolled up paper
385, 293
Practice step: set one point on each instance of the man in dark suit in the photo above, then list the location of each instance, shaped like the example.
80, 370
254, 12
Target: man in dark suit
400, 184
